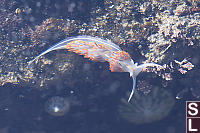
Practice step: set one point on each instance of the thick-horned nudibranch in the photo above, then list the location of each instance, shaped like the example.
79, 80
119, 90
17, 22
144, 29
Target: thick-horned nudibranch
100, 50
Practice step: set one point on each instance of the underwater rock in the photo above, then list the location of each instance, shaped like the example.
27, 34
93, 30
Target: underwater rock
158, 30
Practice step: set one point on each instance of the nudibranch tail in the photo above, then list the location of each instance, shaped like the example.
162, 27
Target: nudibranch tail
149, 65
133, 89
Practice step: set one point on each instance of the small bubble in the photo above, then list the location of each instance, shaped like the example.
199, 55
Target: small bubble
38, 4
32, 19
71, 7
57, 106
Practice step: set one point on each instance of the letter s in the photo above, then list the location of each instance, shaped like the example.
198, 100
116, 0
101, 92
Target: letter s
191, 107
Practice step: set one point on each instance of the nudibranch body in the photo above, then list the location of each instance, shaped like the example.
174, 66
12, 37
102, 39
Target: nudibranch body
100, 50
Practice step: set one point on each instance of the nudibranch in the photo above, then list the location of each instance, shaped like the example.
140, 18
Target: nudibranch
100, 50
